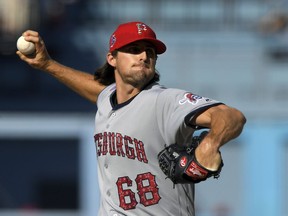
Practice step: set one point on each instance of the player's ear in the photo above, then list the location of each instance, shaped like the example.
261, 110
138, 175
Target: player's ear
111, 59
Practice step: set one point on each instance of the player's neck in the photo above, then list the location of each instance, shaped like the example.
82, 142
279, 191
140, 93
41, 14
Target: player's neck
125, 93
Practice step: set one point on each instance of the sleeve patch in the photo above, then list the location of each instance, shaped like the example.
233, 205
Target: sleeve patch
190, 98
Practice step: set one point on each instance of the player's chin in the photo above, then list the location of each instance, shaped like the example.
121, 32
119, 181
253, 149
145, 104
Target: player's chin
140, 81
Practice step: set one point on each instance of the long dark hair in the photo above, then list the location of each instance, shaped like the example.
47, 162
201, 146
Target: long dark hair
105, 74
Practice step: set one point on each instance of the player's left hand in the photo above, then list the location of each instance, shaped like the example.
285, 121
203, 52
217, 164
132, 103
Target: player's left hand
181, 165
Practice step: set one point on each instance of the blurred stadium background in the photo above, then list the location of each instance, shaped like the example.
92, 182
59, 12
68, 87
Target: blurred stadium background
233, 51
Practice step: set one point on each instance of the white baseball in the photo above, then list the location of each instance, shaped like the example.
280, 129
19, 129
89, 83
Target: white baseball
25, 47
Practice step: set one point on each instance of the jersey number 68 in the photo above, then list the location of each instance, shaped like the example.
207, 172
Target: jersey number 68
147, 191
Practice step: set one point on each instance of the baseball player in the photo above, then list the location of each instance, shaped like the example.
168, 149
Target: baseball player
137, 118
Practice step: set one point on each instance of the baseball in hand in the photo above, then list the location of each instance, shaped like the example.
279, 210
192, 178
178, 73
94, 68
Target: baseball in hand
25, 47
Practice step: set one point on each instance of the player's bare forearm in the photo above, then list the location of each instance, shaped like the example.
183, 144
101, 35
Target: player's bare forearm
225, 123
81, 82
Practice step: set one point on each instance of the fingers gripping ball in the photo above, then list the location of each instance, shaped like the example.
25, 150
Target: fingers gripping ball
25, 47
180, 164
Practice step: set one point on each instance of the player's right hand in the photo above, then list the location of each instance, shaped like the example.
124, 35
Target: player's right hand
40, 59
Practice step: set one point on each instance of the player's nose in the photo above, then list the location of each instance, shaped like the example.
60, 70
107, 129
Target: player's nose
143, 55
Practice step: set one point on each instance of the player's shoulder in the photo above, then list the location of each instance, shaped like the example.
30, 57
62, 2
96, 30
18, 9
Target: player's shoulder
154, 88
165, 92
158, 88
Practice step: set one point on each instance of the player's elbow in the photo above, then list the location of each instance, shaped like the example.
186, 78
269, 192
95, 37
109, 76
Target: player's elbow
240, 121
234, 119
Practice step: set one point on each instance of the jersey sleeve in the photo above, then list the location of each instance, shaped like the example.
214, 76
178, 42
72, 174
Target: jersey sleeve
176, 108
105, 93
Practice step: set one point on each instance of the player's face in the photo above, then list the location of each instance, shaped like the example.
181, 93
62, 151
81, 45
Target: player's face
135, 63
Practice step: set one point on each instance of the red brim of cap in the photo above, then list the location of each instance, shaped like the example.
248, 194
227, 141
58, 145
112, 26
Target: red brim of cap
159, 45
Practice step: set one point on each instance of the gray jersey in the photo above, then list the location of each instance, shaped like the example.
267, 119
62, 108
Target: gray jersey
128, 138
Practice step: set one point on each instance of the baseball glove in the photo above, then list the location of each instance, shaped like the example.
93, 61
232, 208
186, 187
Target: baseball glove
180, 165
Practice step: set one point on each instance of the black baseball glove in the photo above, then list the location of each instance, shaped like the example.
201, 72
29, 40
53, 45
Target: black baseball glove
180, 165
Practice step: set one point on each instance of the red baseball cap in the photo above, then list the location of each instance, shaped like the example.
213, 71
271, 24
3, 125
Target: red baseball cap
130, 32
